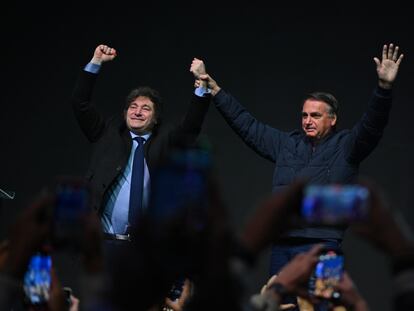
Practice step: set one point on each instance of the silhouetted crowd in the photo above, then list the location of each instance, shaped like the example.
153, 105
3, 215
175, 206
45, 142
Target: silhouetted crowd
195, 249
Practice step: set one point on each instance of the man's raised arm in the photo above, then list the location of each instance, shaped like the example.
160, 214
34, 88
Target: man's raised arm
88, 117
262, 138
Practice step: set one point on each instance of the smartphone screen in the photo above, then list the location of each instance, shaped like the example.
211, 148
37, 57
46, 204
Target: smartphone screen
335, 204
328, 273
71, 204
180, 188
37, 279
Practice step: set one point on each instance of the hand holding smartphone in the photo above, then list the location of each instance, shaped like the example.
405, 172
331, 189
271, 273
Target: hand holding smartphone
176, 289
328, 272
335, 204
72, 203
180, 187
37, 279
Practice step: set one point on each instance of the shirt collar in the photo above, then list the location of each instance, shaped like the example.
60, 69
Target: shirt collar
146, 136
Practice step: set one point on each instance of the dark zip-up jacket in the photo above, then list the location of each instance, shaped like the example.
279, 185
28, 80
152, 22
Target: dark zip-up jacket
335, 159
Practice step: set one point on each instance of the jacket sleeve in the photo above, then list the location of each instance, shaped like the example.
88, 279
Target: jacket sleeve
190, 126
262, 138
89, 119
366, 134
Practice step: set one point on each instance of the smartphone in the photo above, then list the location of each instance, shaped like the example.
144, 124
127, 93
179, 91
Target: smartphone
328, 272
72, 203
37, 279
335, 204
177, 289
179, 210
180, 189
67, 291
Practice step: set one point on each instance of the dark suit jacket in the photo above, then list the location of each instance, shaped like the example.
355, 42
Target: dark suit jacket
112, 141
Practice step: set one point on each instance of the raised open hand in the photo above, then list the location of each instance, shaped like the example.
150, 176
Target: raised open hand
387, 67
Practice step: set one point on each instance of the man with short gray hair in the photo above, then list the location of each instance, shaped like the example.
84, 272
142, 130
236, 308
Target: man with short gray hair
319, 152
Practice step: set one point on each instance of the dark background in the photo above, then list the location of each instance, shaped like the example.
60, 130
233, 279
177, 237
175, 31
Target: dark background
269, 57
